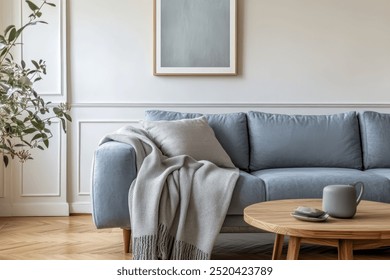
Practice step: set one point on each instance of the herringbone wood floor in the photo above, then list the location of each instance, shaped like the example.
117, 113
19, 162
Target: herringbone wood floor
61, 238
76, 238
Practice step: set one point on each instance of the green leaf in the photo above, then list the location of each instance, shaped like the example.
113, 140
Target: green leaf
7, 110
3, 52
4, 147
8, 29
63, 125
56, 110
20, 145
5, 160
28, 144
12, 35
38, 125
18, 32
30, 130
46, 142
21, 104
35, 64
32, 6
36, 137
68, 117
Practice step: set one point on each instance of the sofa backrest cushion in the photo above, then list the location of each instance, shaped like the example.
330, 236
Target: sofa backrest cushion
279, 141
375, 131
230, 130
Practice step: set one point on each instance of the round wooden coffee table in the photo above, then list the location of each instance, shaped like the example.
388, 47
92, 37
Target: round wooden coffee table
370, 227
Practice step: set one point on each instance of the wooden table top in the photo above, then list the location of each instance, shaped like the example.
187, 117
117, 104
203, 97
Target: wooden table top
372, 220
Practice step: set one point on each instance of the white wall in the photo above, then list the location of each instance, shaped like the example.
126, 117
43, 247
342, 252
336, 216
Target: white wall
39, 187
290, 51
294, 56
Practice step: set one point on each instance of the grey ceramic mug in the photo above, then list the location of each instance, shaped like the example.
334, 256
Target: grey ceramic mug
340, 200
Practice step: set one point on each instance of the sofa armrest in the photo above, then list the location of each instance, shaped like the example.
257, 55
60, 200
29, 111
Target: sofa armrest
113, 171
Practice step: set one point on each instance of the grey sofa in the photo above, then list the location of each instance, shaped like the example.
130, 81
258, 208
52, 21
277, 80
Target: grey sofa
279, 157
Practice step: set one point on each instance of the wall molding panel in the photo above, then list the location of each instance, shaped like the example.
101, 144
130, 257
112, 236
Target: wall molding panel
53, 160
2, 179
39, 186
88, 134
84, 148
54, 84
5, 193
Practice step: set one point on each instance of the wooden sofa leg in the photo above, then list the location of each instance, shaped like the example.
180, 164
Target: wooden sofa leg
126, 239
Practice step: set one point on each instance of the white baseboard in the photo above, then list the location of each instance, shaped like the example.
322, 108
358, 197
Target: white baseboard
80, 208
44, 209
34, 209
5, 210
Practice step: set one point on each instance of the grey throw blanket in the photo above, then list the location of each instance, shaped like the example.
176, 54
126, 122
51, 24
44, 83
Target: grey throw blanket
177, 205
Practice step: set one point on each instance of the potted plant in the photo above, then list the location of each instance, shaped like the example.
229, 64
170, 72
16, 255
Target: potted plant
25, 117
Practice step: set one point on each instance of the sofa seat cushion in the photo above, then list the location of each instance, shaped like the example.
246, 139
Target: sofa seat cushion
294, 183
384, 172
375, 130
230, 130
249, 190
279, 141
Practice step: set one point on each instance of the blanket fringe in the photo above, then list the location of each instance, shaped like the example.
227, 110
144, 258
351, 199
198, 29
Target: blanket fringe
163, 246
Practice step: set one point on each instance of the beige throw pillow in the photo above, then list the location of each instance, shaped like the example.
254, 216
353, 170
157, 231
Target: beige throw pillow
192, 137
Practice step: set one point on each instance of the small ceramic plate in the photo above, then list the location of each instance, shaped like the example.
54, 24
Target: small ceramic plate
309, 212
310, 219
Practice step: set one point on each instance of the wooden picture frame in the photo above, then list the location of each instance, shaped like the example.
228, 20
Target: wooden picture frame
195, 37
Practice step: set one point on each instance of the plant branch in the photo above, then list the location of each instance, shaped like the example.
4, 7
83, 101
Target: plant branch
32, 18
24, 124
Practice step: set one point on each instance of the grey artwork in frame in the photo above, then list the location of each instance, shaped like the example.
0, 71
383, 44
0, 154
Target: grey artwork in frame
195, 37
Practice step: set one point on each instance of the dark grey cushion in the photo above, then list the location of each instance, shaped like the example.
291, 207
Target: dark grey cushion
230, 130
278, 141
375, 131
294, 183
